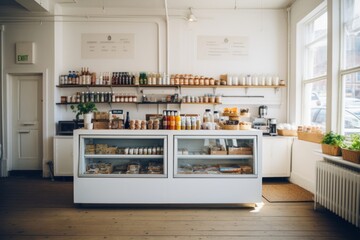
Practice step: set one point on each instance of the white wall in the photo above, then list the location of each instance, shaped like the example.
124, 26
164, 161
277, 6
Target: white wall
58, 51
267, 55
303, 155
42, 34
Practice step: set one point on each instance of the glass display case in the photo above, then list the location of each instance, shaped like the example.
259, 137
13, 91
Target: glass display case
215, 156
122, 156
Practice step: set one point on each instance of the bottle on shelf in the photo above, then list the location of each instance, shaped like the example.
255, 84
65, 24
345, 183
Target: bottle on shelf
172, 121
177, 120
165, 124
127, 121
216, 116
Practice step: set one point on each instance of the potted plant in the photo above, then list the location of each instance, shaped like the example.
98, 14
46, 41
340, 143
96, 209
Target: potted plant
85, 109
331, 142
351, 148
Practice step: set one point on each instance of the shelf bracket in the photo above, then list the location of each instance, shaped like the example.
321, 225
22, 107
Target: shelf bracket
276, 89
246, 90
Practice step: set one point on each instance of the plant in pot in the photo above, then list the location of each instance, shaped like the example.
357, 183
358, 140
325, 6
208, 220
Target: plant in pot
85, 109
351, 148
331, 142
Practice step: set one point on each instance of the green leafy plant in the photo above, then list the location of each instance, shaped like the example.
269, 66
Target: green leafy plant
83, 108
352, 142
332, 138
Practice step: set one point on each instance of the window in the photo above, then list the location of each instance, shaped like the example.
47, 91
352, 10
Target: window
350, 73
314, 63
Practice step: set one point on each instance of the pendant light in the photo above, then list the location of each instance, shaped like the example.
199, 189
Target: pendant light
191, 17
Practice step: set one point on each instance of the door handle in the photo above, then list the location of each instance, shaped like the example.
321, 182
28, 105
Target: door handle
28, 123
23, 131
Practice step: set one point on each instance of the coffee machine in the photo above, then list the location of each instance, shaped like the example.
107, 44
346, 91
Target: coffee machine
260, 122
271, 122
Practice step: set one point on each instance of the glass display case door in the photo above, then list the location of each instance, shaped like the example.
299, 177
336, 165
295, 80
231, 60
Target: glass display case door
215, 156
123, 156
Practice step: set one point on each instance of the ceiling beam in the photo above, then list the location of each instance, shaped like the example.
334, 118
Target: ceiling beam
35, 5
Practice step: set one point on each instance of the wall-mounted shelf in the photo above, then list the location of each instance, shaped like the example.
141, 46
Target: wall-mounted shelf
171, 86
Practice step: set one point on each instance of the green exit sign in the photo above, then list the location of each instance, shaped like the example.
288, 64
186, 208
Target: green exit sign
22, 58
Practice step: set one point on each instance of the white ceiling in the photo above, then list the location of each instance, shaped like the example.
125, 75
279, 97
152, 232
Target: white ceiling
179, 4
13, 5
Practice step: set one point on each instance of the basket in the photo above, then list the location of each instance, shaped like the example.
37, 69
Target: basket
351, 156
231, 127
245, 127
310, 137
240, 151
331, 150
218, 152
101, 124
286, 132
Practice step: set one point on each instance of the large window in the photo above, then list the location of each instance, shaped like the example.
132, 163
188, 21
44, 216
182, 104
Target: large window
350, 73
314, 70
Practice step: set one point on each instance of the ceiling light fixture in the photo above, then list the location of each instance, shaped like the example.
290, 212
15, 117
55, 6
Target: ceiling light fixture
191, 17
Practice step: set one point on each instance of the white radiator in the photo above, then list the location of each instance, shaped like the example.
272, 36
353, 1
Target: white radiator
338, 189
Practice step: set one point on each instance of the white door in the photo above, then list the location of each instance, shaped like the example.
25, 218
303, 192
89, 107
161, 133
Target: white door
26, 122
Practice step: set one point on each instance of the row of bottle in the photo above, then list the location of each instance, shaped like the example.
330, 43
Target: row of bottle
254, 80
115, 78
99, 97
173, 121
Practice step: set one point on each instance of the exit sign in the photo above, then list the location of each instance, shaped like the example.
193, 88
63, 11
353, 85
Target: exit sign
25, 52
23, 58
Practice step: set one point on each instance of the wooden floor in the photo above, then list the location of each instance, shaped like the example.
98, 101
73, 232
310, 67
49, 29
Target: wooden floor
35, 208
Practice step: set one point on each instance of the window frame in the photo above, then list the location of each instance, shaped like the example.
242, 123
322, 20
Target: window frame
305, 45
343, 71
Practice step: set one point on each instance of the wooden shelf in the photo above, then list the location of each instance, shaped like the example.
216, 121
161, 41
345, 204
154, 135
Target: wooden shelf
170, 86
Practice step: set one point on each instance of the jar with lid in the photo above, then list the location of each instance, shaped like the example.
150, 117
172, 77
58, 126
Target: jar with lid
201, 81
186, 81
191, 81
134, 98
207, 117
206, 98
212, 81
216, 116
206, 81
197, 81
218, 99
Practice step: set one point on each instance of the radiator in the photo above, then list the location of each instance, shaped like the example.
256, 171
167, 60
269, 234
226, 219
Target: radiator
338, 190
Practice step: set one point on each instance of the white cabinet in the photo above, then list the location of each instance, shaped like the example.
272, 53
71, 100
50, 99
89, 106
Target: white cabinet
277, 156
109, 168
63, 156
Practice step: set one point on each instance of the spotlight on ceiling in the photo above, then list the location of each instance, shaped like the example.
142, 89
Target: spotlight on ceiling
191, 17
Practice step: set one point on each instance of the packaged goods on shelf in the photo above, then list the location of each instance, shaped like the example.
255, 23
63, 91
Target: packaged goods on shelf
245, 125
89, 149
99, 168
313, 134
101, 115
133, 168
101, 124
155, 168
215, 169
100, 148
286, 129
240, 151
229, 168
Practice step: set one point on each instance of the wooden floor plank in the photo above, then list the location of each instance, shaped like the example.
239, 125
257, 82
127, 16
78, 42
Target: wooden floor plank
40, 209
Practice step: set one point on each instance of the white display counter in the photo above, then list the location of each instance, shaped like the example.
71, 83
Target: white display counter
166, 166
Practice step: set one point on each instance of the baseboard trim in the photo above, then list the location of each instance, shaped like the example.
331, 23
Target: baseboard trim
302, 182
